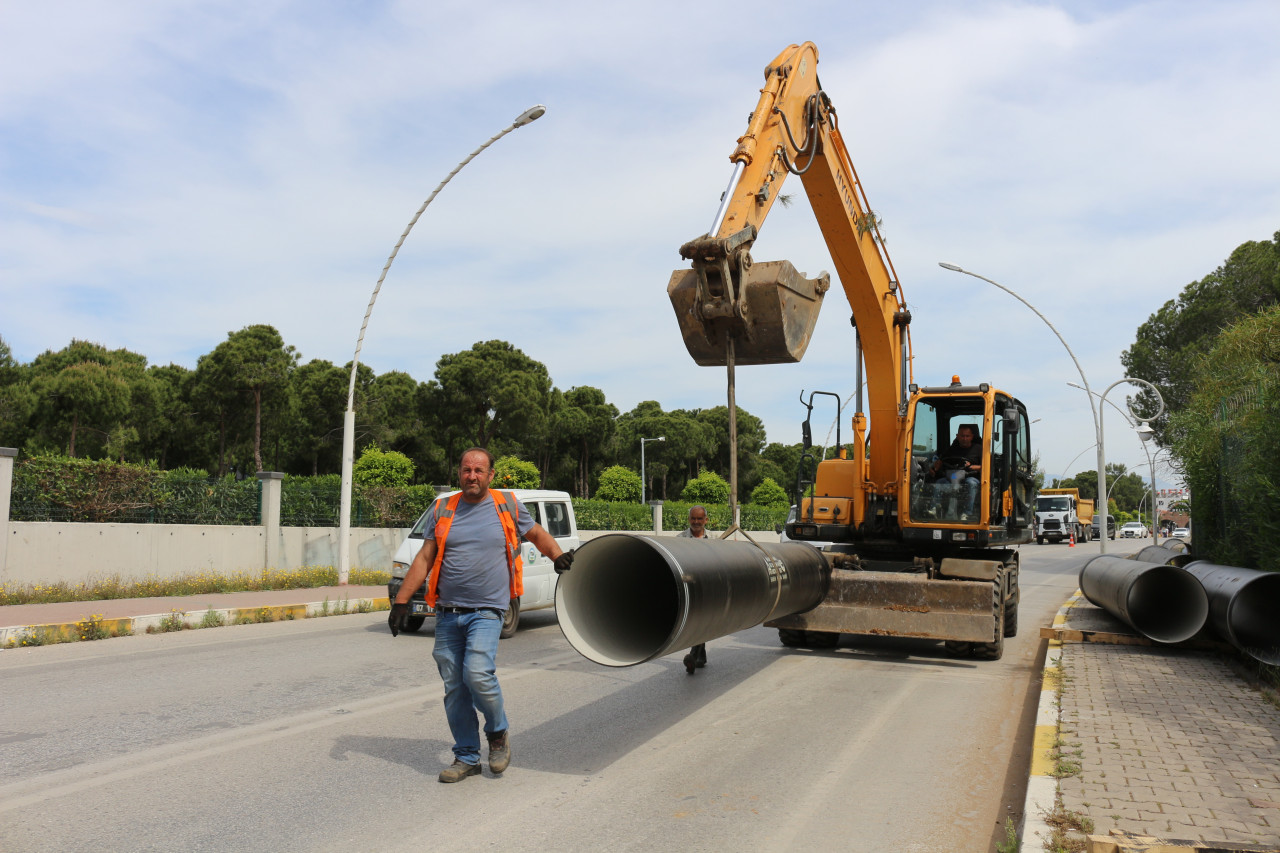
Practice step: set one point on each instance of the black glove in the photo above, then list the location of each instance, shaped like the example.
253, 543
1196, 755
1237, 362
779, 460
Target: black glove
564, 562
399, 615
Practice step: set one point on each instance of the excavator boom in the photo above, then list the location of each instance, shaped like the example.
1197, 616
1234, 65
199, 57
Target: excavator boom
769, 310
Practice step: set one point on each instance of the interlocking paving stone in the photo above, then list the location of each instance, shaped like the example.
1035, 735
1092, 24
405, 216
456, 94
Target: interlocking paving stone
1173, 743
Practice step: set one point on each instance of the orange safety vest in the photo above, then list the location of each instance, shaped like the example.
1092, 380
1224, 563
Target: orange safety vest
506, 506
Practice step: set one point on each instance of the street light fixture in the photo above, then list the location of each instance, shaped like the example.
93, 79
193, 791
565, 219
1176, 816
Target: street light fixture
349, 418
1102, 456
642, 441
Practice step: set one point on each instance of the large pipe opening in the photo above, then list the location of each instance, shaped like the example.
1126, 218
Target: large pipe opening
1163, 603
1243, 607
620, 604
1167, 604
631, 598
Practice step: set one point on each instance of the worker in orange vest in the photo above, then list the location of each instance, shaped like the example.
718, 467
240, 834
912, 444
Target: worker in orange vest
470, 558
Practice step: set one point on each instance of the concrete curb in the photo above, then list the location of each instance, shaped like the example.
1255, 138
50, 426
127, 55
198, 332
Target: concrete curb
194, 618
1042, 785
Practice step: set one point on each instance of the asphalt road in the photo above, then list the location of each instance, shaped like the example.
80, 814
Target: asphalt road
327, 734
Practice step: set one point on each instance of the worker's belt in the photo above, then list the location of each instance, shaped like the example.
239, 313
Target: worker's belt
448, 608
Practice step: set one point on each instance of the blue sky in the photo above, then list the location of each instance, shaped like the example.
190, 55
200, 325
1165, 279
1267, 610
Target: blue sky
173, 171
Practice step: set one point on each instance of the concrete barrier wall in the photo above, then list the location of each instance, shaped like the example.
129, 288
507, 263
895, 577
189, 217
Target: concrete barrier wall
42, 552
49, 552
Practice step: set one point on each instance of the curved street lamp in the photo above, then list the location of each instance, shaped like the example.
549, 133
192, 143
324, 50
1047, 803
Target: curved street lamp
1102, 456
349, 418
1097, 418
642, 441
1142, 425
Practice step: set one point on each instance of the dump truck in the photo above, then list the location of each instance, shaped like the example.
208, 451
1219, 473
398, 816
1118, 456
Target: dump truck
1062, 513
923, 531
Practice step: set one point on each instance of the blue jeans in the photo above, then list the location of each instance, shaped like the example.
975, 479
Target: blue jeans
466, 654
965, 489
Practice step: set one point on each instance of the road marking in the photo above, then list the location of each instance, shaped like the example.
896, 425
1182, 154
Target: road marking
84, 777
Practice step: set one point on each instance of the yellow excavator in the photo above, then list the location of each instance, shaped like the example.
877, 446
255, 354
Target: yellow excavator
924, 513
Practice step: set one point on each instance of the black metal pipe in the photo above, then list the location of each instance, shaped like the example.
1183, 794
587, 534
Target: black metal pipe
1163, 603
631, 598
1244, 607
1163, 555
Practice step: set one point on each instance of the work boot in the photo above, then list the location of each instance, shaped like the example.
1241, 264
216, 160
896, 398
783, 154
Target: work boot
499, 752
458, 771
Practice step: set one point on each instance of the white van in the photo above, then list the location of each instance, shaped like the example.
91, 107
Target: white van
552, 510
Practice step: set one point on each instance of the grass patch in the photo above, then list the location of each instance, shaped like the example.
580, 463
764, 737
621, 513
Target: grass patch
1262, 677
175, 621
1010, 843
40, 635
1068, 829
256, 616
212, 619
95, 628
1064, 759
116, 586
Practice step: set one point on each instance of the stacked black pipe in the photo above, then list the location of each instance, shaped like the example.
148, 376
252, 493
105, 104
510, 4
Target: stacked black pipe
1153, 593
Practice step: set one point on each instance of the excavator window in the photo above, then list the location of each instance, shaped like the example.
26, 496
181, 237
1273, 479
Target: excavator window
941, 487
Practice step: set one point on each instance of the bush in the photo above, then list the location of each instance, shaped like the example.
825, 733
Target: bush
706, 488
513, 473
605, 515
1228, 442
613, 515
619, 484
769, 493
377, 467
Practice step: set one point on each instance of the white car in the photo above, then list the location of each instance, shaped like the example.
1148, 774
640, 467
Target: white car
1181, 533
1134, 530
552, 510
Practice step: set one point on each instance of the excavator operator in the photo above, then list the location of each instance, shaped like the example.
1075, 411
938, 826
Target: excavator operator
961, 468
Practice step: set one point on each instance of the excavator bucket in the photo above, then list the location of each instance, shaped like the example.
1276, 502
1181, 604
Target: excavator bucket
900, 604
770, 309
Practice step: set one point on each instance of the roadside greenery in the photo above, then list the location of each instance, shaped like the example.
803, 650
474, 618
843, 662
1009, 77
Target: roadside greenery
253, 404
1228, 439
1214, 352
115, 586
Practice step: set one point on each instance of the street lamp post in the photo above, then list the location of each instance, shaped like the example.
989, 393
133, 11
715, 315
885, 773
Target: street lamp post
642, 441
1097, 419
349, 418
1145, 432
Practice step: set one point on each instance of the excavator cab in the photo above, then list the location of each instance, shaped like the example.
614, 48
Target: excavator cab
969, 466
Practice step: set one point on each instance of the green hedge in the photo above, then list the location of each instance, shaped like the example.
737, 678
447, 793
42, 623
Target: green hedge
50, 488
608, 515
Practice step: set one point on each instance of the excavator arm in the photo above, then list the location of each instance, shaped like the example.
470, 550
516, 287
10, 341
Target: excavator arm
733, 309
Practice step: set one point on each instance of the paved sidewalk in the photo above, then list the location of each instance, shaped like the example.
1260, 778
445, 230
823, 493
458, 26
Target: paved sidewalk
139, 613
1170, 743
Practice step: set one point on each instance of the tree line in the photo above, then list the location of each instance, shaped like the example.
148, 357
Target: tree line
1214, 353
252, 404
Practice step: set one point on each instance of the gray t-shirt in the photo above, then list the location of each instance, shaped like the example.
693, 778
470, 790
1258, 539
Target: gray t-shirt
474, 572
687, 533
